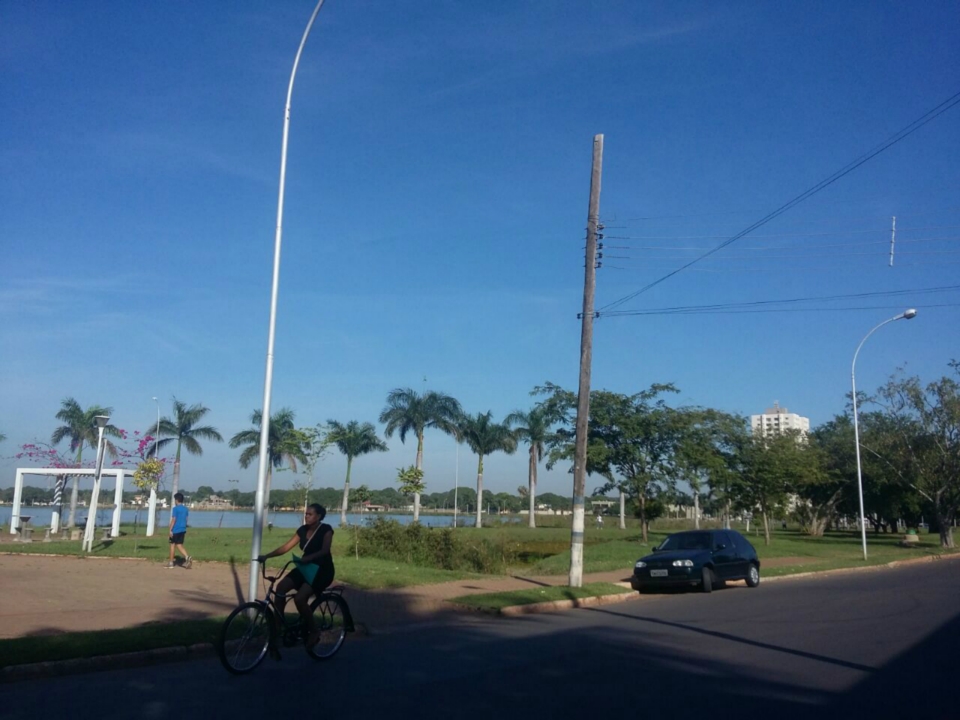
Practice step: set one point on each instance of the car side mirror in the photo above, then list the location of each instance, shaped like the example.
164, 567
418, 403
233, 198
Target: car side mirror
721, 546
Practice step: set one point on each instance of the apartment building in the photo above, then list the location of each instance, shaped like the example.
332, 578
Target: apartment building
776, 420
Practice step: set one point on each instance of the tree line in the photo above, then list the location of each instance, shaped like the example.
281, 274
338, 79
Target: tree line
640, 447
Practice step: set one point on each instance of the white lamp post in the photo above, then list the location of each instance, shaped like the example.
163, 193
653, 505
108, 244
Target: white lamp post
907, 315
88, 531
268, 381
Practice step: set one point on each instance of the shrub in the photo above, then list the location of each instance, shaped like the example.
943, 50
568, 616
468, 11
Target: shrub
441, 548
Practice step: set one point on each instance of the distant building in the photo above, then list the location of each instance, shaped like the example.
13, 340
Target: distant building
776, 420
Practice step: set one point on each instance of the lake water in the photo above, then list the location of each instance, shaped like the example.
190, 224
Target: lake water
40, 517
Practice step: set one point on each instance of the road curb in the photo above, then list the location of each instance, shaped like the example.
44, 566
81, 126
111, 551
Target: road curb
868, 568
515, 610
58, 668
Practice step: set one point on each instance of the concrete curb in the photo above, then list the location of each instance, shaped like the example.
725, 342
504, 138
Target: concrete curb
58, 668
515, 610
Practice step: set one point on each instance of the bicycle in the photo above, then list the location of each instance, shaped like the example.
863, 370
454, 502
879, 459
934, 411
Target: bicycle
255, 628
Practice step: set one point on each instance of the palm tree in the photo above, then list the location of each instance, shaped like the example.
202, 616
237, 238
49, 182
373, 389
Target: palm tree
485, 437
183, 428
80, 427
532, 427
353, 440
284, 445
408, 411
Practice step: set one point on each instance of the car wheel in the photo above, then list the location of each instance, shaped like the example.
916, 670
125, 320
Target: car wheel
753, 576
707, 580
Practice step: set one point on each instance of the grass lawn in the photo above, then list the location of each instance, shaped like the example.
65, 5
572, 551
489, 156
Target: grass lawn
498, 601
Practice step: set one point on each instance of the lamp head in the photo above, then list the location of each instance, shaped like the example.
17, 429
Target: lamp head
911, 313
102, 421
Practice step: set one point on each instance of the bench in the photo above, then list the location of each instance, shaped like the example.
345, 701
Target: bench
25, 529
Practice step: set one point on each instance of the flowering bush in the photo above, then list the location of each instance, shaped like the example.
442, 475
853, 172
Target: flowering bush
148, 473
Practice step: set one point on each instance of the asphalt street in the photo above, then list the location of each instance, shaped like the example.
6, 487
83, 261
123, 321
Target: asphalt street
850, 645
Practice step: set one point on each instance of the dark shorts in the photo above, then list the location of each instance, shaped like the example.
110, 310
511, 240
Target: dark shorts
321, 582
177, 538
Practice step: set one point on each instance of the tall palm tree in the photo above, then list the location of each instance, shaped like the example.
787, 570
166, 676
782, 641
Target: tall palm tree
184, 429
485, 437
532, 427
408, 411
80, 427
353, 440
284, 445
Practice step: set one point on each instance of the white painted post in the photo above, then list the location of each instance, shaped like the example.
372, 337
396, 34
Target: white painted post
117, 504
152, 512
17, 494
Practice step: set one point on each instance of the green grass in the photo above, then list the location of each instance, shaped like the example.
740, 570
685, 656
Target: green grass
67, 646
233, 545
498, 601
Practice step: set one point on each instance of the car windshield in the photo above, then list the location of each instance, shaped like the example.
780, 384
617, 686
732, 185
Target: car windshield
687, 541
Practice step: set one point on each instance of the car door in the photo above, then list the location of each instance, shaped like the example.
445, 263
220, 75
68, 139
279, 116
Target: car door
725, 556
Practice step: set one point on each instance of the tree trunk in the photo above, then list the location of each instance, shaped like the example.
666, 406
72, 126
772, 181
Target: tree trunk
266, 496
726, 515
531, 491
696, 509
346, 494
480, 492
176, 477
643, 516
416, 495
623, 510
766, 526
946, 528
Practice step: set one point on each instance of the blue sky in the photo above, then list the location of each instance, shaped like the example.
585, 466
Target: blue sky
436, 201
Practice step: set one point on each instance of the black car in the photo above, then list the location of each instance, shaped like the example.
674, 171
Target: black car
698, 557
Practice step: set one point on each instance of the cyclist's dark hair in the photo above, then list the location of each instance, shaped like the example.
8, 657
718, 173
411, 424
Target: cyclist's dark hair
318, 509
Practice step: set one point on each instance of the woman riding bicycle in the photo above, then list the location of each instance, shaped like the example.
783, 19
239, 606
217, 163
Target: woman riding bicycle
314, 571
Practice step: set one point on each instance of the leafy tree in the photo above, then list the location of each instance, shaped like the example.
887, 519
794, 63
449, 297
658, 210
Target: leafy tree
927, 445
284, 445
353, 440
80, 428
633, 440
186, 432
361, 496
485, 437
532, 427
410, 412
770, 467
411, 481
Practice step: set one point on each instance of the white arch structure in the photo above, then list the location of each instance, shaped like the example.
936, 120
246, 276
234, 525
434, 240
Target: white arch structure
119, 473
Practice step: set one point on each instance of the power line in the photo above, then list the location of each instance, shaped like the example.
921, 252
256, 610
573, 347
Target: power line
789, 301
850, 167
750, 311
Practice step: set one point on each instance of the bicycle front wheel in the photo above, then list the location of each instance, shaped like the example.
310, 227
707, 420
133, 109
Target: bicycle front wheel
330, 628
245, 637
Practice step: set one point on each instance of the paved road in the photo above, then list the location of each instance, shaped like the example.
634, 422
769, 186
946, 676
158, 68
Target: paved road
856, 645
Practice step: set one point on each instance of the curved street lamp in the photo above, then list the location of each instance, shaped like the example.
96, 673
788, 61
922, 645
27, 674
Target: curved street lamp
268, 381
906, 315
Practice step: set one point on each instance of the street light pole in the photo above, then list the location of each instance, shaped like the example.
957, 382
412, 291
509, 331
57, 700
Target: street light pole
268, 380
906, 315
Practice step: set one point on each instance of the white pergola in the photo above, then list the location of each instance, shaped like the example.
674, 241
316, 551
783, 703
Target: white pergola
119, 473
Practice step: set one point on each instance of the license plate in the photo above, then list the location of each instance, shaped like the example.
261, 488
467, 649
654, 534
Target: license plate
658, 573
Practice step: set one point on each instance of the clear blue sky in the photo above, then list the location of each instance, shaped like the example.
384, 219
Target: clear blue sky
436, 202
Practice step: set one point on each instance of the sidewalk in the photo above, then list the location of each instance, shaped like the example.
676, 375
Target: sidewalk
49, 594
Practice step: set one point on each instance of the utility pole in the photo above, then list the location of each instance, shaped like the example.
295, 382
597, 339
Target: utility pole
586, 356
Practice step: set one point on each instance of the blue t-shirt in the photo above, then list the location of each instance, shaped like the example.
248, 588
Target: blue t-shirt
180, 518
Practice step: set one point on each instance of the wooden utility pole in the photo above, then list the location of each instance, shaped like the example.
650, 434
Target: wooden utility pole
586, 356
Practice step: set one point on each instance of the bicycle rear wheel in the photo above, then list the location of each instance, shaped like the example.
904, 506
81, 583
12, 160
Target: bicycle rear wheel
330, 627
245, 637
